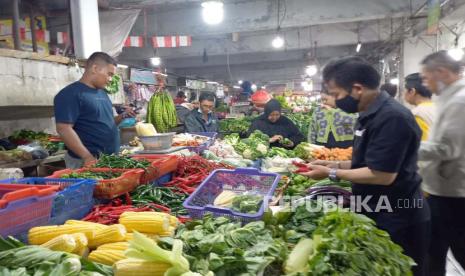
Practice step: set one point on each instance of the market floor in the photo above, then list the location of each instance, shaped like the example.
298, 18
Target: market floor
453, 268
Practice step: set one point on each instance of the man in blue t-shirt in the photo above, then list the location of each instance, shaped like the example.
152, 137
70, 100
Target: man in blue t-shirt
84, 114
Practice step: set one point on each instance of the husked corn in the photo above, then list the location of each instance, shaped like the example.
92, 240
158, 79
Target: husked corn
145, 222
65, 243
135, 267
97, 226
113, 233
107, 257
114, 246
42, 234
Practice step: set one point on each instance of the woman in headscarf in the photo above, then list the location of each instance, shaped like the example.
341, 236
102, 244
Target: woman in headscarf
277, 126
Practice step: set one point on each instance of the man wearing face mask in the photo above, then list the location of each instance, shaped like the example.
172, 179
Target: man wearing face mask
383, 169
84, 114
444, 156
202, 119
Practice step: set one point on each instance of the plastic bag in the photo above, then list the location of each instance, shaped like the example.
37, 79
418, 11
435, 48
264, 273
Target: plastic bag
36, 150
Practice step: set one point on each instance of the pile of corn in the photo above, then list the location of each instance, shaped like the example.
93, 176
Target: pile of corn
106, 244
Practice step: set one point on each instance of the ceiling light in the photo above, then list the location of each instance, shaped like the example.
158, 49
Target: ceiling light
278, 42
456, 53
311, 70
236, 87
212, 12
240, 82
359, 47
156, 61
394, 81
122, 66
254, 87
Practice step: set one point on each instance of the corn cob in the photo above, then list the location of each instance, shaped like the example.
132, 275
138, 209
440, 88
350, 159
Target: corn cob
114, 246
107, 257
81, 242
113, 233
174, 222
129, 236
42, 234
97, 226
65, 243
135, 267
145, 223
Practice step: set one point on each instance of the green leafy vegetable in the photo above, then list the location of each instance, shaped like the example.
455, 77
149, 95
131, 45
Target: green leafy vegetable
249, 204
113, 86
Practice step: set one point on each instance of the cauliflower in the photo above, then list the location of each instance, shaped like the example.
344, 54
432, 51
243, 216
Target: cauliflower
263, 149
248, 153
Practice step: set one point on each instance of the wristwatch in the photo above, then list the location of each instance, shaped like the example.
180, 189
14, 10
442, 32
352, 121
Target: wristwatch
333, 175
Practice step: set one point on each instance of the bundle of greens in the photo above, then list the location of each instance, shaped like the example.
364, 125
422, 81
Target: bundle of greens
17, 259
304, 151
301, 120
92, 175
298, 185
280, 152
227, 248
113, 86
114, 161
252, 148
350, 244
240, 125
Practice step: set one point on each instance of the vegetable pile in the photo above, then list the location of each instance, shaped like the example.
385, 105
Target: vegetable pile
161, 111
350, 244
307, 151
167, 199
191, 171
244, 203
92, 175
227, 248
17, 259
253, 148
301, 120
113, 86
114, 161
240, 126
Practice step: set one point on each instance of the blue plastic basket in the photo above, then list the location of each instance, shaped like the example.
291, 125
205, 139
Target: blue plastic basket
200, 149
74, 201
162, 179
25, 212
240, 181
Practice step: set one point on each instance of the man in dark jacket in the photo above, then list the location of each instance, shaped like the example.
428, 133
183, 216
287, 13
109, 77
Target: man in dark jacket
202, 119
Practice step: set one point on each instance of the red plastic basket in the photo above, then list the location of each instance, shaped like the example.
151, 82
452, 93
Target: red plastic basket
110, 188
23, 207
160, 165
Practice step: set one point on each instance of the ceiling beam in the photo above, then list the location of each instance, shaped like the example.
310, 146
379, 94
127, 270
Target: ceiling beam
259, 15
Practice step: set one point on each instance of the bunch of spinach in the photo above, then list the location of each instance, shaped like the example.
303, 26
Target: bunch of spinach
227, 248
350, 244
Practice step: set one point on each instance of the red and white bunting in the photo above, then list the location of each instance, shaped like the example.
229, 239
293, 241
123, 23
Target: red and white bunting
134, 41
171, 41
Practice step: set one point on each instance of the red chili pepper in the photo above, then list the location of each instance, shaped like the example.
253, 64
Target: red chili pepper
298, 164
127, 197
302, 170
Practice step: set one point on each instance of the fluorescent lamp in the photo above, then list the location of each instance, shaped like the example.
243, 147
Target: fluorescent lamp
394, 81
122, 66
456, 53
212, 12
359, 47
156, 61
311, 70
278, 42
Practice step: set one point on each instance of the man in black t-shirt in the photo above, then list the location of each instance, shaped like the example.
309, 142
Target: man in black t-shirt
383, 169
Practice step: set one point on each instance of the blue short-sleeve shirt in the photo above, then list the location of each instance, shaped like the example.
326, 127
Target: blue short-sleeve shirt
91, 113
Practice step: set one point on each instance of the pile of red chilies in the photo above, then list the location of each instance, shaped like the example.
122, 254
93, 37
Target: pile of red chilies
109, 214
191, 171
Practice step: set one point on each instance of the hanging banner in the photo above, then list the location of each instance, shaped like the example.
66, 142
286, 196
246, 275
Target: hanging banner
142, 76
434, 14
171, 41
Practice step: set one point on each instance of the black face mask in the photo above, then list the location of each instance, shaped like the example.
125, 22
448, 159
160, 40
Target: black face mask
348, 104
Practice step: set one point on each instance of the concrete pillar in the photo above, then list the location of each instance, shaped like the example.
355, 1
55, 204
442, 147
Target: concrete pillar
86, 28
33, 28
414, 50
16, 38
